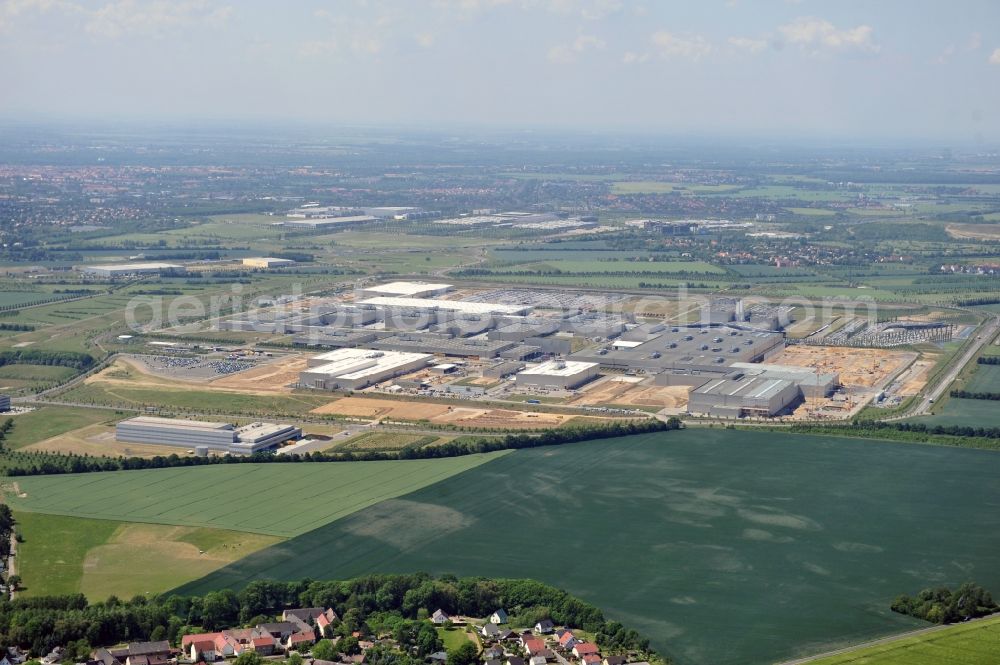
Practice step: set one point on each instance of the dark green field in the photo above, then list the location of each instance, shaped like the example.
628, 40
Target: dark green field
740, 547
956, 411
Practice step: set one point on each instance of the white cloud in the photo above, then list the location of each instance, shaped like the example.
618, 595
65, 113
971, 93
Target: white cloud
819, 35
115, 19
631, 58
946, 54
567, 54
669, 45
748, 44
424, 39
995, 57
11, 10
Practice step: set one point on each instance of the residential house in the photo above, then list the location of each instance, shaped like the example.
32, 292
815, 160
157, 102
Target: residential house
567, 640
143, 653
279, 630
581, 649
490, 631
591, 659
4, 660
614, 660
304, 614
325, 622
102, 656
263, 643
515, 660
53, 657
533, 645
507, 635
436, 657
439, 617
545, 627
301, 640
547, 654
494, 652
203, 650
499, 617
536, 660
15, 656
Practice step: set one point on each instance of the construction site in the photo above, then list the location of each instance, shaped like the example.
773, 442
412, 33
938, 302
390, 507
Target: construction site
720, 358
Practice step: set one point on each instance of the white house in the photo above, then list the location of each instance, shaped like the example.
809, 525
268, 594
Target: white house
499, 617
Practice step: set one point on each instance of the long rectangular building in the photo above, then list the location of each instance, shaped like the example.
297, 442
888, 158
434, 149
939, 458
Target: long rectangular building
405, 289
557, 374
456, 306
125, 269
353, 369
747, 396
222, 437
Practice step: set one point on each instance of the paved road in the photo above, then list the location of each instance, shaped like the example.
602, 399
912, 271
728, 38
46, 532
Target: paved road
873, 643
983, 337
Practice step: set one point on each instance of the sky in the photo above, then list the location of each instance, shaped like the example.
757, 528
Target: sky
891, 69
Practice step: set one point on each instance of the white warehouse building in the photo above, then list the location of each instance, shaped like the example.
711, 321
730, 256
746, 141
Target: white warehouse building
125, 269
562, 374
353, 369
222, 437
406, 289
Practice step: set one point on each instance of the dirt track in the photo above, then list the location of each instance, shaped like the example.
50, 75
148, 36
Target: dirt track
465, 416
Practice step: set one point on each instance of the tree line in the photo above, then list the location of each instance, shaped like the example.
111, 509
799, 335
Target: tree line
873, 427
17, 327
368, 606
988, 360
942, 605
73, 359
967, 394
53, 464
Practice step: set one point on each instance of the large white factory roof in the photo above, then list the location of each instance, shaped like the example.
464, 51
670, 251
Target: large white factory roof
178, 423
559, 368
463, 306
409, 289
136, 266
323, 221
357, 363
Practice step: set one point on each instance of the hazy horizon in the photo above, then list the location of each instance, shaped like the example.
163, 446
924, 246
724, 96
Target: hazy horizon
887, 72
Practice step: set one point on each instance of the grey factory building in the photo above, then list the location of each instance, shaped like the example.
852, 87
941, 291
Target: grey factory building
684, 355
222, 437
745, 396
810, 382
353, 369
559, 374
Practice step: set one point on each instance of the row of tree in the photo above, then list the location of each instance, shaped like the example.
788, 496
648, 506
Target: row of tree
874, 427
73, 359
52, 464
372, 605
988, 360
968, 394
942, 605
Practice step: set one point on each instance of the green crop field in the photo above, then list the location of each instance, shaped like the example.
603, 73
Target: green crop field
724, 547
956, 411
100, 558
48, 421
986, 379
50, 560
974, 643
271, 499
